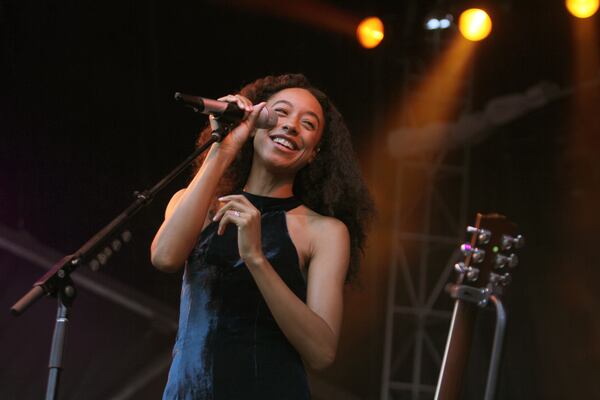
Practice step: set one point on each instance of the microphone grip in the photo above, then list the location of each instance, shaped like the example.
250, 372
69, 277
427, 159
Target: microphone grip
267, 118
227, 112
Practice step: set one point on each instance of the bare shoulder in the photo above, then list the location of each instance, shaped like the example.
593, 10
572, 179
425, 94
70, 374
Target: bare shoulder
328, 251
173, 202
322, 229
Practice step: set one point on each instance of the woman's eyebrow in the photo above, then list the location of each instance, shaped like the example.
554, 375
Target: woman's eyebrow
291, 105
283, 101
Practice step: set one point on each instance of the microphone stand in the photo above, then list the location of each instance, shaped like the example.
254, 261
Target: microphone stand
96, 251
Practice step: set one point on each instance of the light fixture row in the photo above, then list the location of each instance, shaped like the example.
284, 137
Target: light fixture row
474, 24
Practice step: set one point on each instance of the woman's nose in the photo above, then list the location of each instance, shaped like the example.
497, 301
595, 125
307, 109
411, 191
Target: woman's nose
290, 127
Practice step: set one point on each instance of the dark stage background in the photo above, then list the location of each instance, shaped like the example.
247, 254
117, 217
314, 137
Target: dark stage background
87, 117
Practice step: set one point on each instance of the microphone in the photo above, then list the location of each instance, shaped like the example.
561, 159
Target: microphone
227, 112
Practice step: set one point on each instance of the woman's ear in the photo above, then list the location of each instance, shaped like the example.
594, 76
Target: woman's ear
314, 155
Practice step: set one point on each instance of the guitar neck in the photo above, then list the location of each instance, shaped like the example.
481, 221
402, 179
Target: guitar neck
456, 354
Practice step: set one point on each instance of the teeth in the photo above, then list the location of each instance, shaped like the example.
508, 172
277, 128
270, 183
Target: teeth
284, 142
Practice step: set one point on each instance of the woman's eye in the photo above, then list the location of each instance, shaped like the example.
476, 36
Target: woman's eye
281, 111
309, 125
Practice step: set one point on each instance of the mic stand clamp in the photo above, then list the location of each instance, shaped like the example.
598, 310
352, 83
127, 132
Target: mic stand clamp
219, 129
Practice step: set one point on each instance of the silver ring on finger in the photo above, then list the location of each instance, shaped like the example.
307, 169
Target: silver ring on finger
236, 213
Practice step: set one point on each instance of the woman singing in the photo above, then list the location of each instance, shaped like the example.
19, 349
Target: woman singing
269, 230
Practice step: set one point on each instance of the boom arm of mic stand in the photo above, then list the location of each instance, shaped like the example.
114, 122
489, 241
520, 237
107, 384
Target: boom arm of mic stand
53, 281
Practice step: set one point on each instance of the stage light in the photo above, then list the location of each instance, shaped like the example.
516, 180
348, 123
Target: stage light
475, 24
370, 32
434, 23
582, 8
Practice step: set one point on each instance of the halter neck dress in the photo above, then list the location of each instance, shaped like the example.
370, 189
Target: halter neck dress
228, 344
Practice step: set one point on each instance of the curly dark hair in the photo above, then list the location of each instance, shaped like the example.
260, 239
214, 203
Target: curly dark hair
331, 185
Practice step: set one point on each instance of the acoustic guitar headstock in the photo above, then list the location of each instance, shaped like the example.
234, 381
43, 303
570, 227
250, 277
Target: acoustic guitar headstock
490, 255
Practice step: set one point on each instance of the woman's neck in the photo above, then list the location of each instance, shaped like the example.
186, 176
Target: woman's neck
263, 183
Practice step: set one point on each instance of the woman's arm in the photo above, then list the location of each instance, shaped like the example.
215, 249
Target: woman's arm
312, 328
186, 213
187, 210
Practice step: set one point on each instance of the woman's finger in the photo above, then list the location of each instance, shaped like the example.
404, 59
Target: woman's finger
254, 114
235, 203
231, 216
242, 102
245, 102
238, 201
234, 197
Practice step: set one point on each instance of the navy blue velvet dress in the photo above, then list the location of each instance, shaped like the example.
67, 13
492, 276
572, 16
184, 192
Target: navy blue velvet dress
228, 344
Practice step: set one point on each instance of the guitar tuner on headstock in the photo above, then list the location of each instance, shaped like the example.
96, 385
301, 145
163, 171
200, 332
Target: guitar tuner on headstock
476, 254
508, 242
483, 235
503, 279
471, 273
502, 261
491, 237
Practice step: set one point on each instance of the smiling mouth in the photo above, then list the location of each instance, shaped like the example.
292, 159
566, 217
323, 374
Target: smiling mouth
283, 142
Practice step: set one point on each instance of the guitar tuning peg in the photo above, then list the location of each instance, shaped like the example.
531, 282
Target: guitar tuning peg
477, 254
472, 274
502, 260
483, 235
503, 279
466, 249
471, 229
519, 241
460, 267
508, 242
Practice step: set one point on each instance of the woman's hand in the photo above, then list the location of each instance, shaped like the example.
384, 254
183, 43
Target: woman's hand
239, 211
240, 134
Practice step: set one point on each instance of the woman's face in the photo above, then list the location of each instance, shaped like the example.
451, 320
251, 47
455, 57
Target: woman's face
293, 142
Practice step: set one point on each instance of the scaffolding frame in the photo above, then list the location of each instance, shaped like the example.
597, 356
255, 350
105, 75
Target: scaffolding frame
417, 311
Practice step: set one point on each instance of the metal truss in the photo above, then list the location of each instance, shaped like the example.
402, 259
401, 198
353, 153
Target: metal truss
426, 232
418, 311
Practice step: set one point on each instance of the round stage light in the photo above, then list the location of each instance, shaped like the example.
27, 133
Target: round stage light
582, 8
370, 32
434, 23
475, 24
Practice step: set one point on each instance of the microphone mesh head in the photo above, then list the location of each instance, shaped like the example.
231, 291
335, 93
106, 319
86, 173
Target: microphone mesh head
267, 119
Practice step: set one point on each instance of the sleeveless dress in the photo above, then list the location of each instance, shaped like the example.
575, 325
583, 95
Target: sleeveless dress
228, 344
